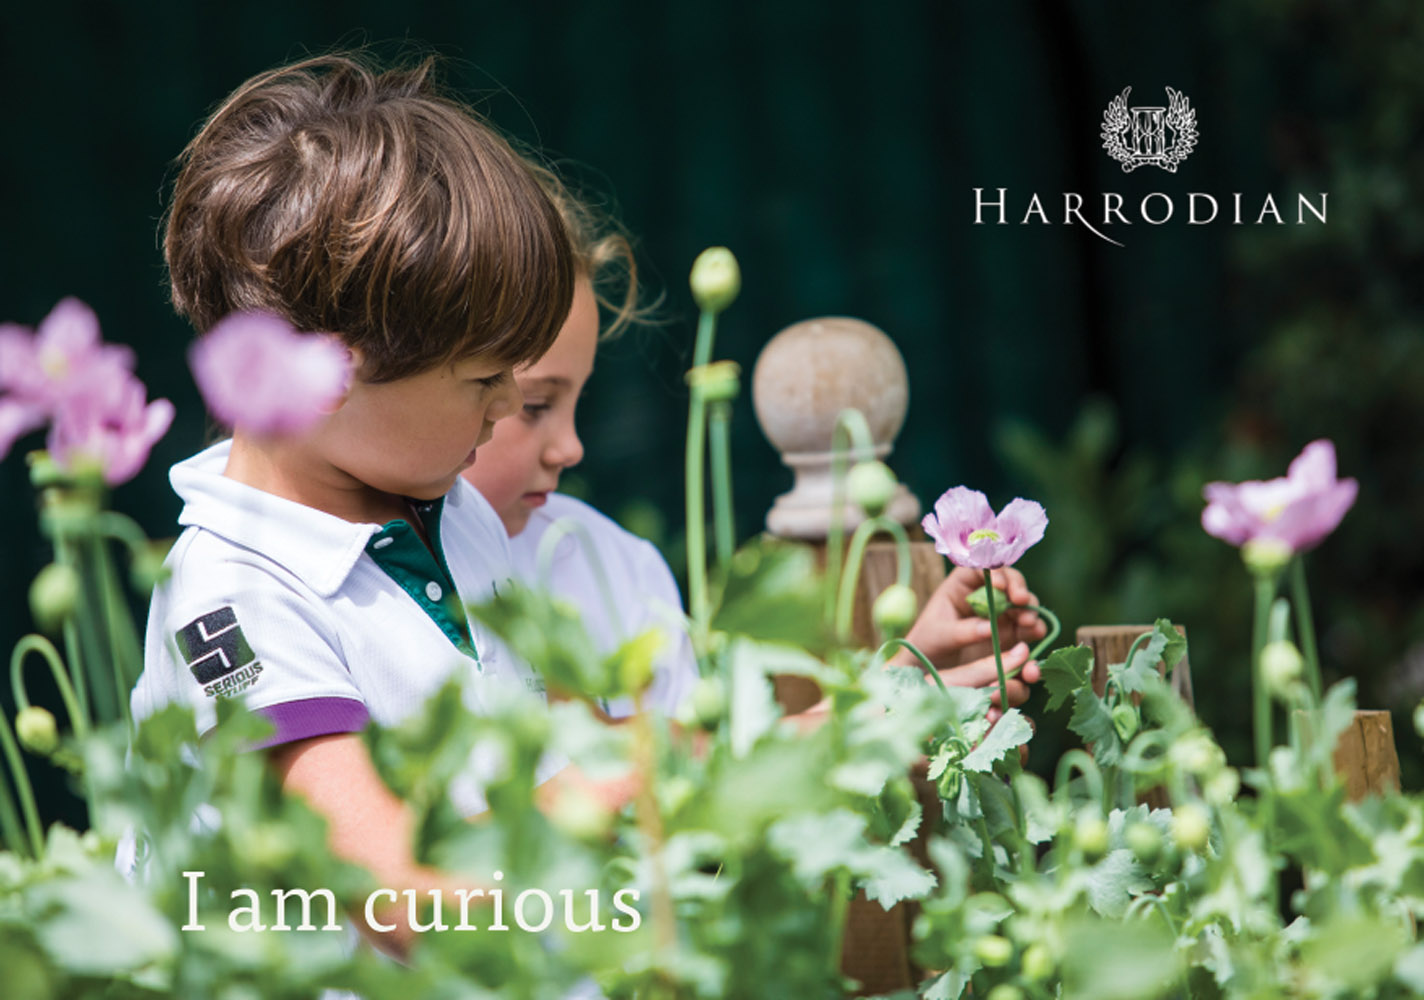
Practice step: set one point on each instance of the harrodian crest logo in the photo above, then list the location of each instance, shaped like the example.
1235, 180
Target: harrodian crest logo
1139, 137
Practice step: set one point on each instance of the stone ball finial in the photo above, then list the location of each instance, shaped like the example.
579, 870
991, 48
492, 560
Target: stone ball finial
805, 376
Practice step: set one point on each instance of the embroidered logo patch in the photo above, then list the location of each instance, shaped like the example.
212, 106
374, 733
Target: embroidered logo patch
218, 653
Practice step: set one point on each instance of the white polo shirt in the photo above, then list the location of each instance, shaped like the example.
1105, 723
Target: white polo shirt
644, 593
318, 623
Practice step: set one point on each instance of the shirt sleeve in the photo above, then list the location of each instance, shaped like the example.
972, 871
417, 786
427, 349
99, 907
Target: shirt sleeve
243, 628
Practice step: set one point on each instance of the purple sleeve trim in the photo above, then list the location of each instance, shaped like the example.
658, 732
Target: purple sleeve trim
308, 717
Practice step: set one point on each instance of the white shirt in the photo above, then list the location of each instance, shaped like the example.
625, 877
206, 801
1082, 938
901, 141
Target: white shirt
643, 592
318, 623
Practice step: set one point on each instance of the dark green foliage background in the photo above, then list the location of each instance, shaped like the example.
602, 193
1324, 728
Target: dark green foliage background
834, 147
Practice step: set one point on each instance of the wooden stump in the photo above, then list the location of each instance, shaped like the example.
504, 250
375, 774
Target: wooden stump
1110, 644
1365, 756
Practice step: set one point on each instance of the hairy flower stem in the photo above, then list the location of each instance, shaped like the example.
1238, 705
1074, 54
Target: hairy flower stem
850, 433
994, 635
39, 644
1261, 698
26, 795
693, 471
855, 558
840, 907
1055, 629
1300, 597
723, 516
925, 663
650, 824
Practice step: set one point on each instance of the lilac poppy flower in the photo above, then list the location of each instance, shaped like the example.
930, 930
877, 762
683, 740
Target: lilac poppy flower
111, 428
1298, 510
63, 358
965, 529
258, 374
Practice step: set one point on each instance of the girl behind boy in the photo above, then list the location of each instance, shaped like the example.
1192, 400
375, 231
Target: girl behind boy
518, 473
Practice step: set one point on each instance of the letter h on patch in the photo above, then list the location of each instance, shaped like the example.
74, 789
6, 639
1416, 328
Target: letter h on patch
213, 646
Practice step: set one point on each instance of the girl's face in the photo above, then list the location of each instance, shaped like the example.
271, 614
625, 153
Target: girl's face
519, 467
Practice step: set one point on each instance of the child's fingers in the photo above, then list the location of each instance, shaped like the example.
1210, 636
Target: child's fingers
983, 672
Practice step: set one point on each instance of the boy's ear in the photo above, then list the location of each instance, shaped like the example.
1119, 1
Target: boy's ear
354, 362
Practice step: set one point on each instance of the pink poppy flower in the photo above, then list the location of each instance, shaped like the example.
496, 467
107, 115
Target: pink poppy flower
63, 358
256, 373
965, 529
42, 371
110, 427
1298, 510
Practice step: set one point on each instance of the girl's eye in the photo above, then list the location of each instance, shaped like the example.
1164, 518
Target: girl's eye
535, 409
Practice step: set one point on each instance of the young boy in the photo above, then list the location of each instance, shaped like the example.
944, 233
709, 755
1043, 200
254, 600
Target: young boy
322, 576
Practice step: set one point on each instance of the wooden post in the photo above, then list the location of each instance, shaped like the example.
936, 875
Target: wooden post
876, 949
879, 570
1365, 756
1110, 644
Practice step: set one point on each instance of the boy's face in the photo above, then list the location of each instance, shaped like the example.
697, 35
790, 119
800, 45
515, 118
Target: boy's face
520, 466
413, 436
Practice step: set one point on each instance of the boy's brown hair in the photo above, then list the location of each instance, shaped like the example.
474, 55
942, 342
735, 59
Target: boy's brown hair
366, 204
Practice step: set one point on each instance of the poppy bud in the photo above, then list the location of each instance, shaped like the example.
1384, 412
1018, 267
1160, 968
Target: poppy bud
716, 279
1281, 665
1266, 557
894, 610
635, 660
1090, 834
1419, 718
1190, 828
37, 731
708, 703
1037, 962
1124, 720
53, 595
579, 815
978, 602
871, 485
1145, 841
1005, 991
993, 950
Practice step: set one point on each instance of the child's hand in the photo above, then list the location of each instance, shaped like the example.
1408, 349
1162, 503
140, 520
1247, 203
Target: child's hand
984, 673
948, 631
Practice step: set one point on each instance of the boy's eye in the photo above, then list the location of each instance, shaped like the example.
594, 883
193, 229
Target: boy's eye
493, 381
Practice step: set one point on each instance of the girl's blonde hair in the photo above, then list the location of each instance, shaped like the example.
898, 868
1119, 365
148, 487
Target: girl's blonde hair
602, 250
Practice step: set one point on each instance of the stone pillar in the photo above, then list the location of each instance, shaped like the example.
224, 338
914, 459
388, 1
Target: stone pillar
806, 375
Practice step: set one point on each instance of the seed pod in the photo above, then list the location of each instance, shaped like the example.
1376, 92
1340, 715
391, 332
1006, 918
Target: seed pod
979, 602
716, 279
1090, 834
894, 610
54, 594
1124, 719
37, 731
994, 951
1145, 841
1190, 827
870, 486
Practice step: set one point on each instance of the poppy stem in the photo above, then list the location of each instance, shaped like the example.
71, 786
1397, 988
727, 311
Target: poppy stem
1300, 597
994, 635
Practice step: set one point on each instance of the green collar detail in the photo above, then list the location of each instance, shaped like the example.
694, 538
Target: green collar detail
397, 548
